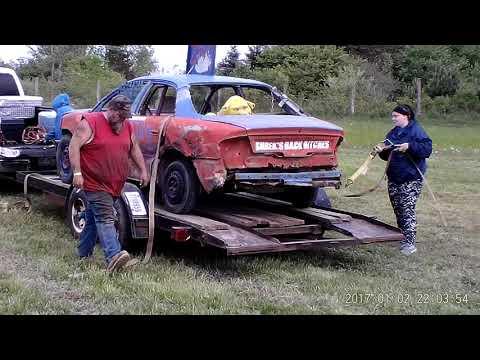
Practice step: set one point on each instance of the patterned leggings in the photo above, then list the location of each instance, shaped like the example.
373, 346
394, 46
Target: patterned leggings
404, 198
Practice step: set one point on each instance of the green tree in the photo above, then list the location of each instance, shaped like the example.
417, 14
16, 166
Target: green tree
130, 60
81, 78
470, 52
118, 59
439, 67
48, 61
143, 58
229, 62
253, 53
306, 67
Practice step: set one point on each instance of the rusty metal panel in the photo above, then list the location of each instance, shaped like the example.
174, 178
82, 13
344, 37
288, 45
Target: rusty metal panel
211, 173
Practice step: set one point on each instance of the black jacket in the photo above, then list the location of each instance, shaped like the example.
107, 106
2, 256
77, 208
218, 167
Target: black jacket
401, 168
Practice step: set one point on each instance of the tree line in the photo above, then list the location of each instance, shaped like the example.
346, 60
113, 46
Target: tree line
324, 79
78, 69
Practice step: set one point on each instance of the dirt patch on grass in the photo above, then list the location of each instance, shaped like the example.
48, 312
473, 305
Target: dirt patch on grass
34, 275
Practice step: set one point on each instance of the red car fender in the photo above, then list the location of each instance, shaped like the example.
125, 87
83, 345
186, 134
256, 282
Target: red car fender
200, 141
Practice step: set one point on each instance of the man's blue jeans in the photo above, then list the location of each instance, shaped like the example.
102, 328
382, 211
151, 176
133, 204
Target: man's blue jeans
99, 222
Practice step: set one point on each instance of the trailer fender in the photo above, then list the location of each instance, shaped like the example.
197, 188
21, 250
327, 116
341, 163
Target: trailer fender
136, 206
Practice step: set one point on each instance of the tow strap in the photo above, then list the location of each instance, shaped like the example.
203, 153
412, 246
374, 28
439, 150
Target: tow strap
151, 193
362, 170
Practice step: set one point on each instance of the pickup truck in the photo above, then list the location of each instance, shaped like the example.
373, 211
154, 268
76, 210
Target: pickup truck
18, 112
278, 150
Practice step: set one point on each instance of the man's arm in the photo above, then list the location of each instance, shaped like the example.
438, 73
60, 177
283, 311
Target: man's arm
137, 157
81, 135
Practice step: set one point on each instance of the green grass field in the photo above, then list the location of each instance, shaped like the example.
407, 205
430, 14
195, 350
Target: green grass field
39, 273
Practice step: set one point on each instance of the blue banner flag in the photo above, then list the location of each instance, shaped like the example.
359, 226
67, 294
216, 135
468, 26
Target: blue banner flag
201, 59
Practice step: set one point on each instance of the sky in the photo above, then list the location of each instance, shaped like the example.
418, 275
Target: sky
169, 57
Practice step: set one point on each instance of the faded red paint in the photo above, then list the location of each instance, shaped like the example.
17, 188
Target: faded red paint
211, 173
239, 154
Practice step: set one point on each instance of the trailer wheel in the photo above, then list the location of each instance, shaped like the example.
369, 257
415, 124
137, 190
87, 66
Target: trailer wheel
180, 187
122, 224
64, 169
76, 207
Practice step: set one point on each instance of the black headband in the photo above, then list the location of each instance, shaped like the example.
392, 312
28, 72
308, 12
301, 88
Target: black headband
404, 110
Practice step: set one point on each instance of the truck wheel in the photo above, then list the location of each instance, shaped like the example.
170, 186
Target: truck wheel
321, 199
64, 169
180, 187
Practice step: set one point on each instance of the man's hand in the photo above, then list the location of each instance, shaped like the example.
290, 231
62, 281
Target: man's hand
78, 181
144, 179
402, 147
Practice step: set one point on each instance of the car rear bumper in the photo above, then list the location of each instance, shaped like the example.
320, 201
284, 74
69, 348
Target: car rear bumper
322, 178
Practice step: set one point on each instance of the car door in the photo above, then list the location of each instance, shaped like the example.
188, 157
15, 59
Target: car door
158, 104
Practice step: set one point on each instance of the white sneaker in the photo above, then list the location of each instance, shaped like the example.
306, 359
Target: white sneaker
408, 249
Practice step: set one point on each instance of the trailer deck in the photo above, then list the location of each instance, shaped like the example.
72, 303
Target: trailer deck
244, 223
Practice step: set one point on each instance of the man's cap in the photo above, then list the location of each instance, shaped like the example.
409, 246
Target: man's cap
120, 103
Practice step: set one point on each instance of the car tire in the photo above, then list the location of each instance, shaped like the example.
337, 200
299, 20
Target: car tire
64, 169
180, 187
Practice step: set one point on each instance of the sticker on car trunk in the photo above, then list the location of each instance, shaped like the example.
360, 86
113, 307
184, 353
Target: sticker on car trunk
291, 145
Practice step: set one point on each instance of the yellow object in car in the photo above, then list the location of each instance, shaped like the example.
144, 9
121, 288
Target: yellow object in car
236, 105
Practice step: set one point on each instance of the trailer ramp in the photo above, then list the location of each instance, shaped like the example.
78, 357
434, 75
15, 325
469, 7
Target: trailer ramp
243, 223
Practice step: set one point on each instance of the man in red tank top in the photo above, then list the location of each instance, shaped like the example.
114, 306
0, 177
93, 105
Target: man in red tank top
99, 152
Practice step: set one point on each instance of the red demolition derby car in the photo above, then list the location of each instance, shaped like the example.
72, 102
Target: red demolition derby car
277, 150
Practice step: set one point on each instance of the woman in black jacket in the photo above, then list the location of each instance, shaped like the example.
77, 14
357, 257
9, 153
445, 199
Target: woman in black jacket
408, 145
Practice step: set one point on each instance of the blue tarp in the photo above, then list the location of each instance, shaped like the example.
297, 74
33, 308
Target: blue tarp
61, 104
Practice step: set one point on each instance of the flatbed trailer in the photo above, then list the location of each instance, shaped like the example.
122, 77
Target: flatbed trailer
237, 223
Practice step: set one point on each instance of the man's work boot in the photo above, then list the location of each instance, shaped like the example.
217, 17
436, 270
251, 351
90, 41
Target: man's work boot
118, 261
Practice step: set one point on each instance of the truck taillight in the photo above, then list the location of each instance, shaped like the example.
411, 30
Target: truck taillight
180, 233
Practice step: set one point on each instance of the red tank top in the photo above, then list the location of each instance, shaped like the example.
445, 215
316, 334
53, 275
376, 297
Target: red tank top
104, 160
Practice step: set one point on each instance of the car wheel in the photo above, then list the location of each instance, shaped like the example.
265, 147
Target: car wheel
64, 168
180, 187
